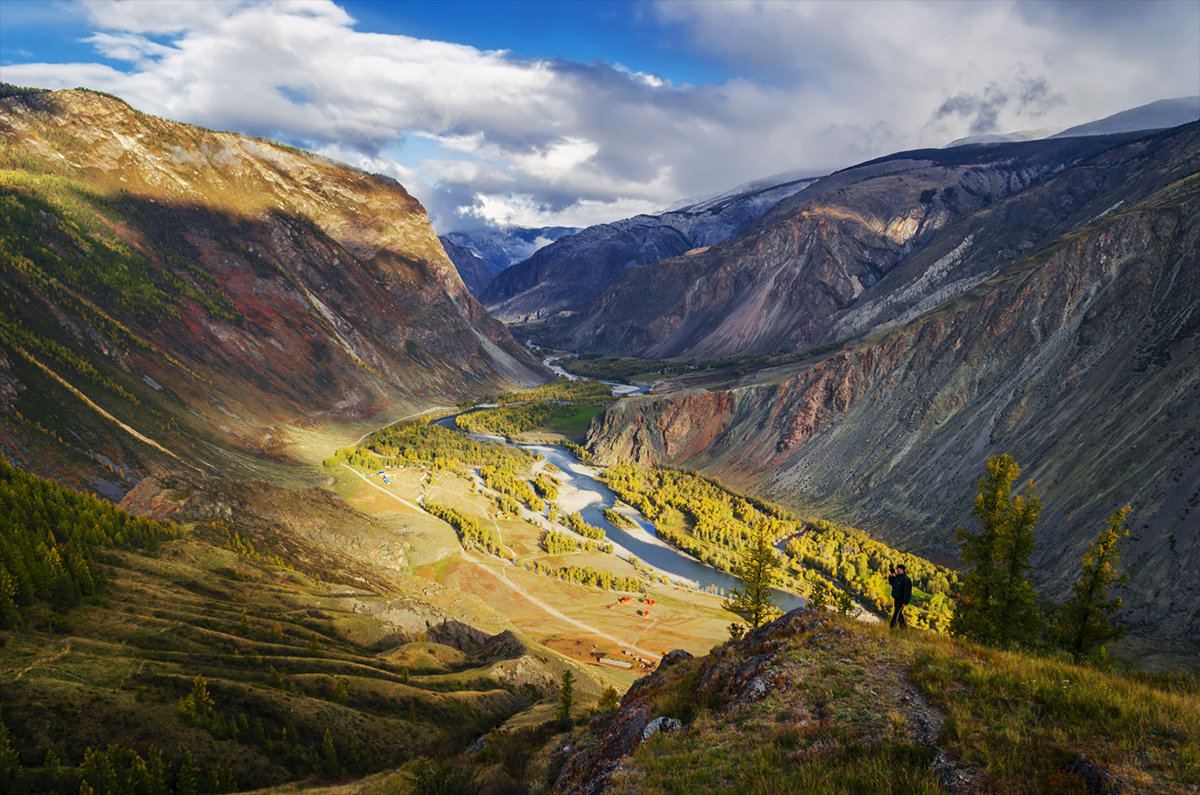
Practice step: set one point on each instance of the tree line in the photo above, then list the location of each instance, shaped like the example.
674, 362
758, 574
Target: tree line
560, 543
508, 482
576, 523
715, 524
564, 390
419, 441
587, 575
469, 531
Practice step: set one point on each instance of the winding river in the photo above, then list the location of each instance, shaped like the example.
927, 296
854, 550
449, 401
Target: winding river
584, 493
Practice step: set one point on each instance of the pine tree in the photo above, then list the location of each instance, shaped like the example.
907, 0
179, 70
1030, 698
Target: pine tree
818, 595
566, 698
757, 569
330, 765
996, 603
1085, 624
1018, 619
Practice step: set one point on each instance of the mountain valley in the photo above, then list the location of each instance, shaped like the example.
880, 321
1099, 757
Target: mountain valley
288, 507
175, 296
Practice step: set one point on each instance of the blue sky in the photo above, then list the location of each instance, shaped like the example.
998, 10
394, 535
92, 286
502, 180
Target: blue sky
541, 113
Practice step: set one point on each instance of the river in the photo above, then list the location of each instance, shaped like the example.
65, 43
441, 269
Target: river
584, 493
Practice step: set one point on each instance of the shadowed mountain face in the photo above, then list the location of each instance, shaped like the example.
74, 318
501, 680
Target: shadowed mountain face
844, 258
481, 255
171, 293
475, 273
1060, 324
559, 280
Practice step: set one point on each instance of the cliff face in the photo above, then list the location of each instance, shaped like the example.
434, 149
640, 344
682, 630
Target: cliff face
1081, 359
164, 282
849, 255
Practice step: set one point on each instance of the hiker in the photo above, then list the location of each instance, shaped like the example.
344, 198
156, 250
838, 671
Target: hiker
901, 594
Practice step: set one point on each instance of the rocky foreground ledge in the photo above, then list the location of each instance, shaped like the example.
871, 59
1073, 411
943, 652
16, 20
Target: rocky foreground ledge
812, 703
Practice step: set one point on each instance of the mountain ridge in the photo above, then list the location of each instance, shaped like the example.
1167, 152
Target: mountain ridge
562, 277
790, 278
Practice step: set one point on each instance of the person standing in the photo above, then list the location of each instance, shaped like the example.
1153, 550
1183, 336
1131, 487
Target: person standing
901, 594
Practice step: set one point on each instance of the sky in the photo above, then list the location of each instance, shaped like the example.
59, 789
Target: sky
585, 111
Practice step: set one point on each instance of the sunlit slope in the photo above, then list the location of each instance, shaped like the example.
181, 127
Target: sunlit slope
810, 703
267, 637
166, 287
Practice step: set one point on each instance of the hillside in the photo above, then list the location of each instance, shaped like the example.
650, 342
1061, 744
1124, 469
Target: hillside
560, 279
174, 296
269, 636
850, 254
1079, 358
810, 703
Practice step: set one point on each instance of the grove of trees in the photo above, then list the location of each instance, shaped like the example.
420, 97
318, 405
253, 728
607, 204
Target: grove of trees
47, 533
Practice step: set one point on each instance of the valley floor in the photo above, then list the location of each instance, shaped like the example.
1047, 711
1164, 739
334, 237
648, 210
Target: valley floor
585, 623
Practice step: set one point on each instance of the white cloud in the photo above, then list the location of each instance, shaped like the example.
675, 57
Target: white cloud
986, 66
488, 135
518, 210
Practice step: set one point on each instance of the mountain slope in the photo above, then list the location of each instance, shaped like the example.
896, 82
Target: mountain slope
1081, 359
316, 653
563, 277
502, 247
479, 256
840, 259
172, 293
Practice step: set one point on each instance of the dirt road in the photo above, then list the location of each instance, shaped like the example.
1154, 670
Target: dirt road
513, 586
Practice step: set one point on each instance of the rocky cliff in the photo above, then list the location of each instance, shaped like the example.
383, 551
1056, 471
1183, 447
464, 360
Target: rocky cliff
1081, 358
170, 293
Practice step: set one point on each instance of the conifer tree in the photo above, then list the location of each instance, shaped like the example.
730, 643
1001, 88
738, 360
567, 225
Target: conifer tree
566, 698
818, 595
996, 603
1085, 624
1018, 619
757, 569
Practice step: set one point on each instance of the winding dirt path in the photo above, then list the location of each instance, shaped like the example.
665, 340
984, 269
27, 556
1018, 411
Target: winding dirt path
373, 485
556, 613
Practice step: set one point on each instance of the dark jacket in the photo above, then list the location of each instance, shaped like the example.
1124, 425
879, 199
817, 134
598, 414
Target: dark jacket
901, 588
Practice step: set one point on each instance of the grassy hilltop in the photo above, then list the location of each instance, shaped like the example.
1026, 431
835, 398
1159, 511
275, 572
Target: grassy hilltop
817, 703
